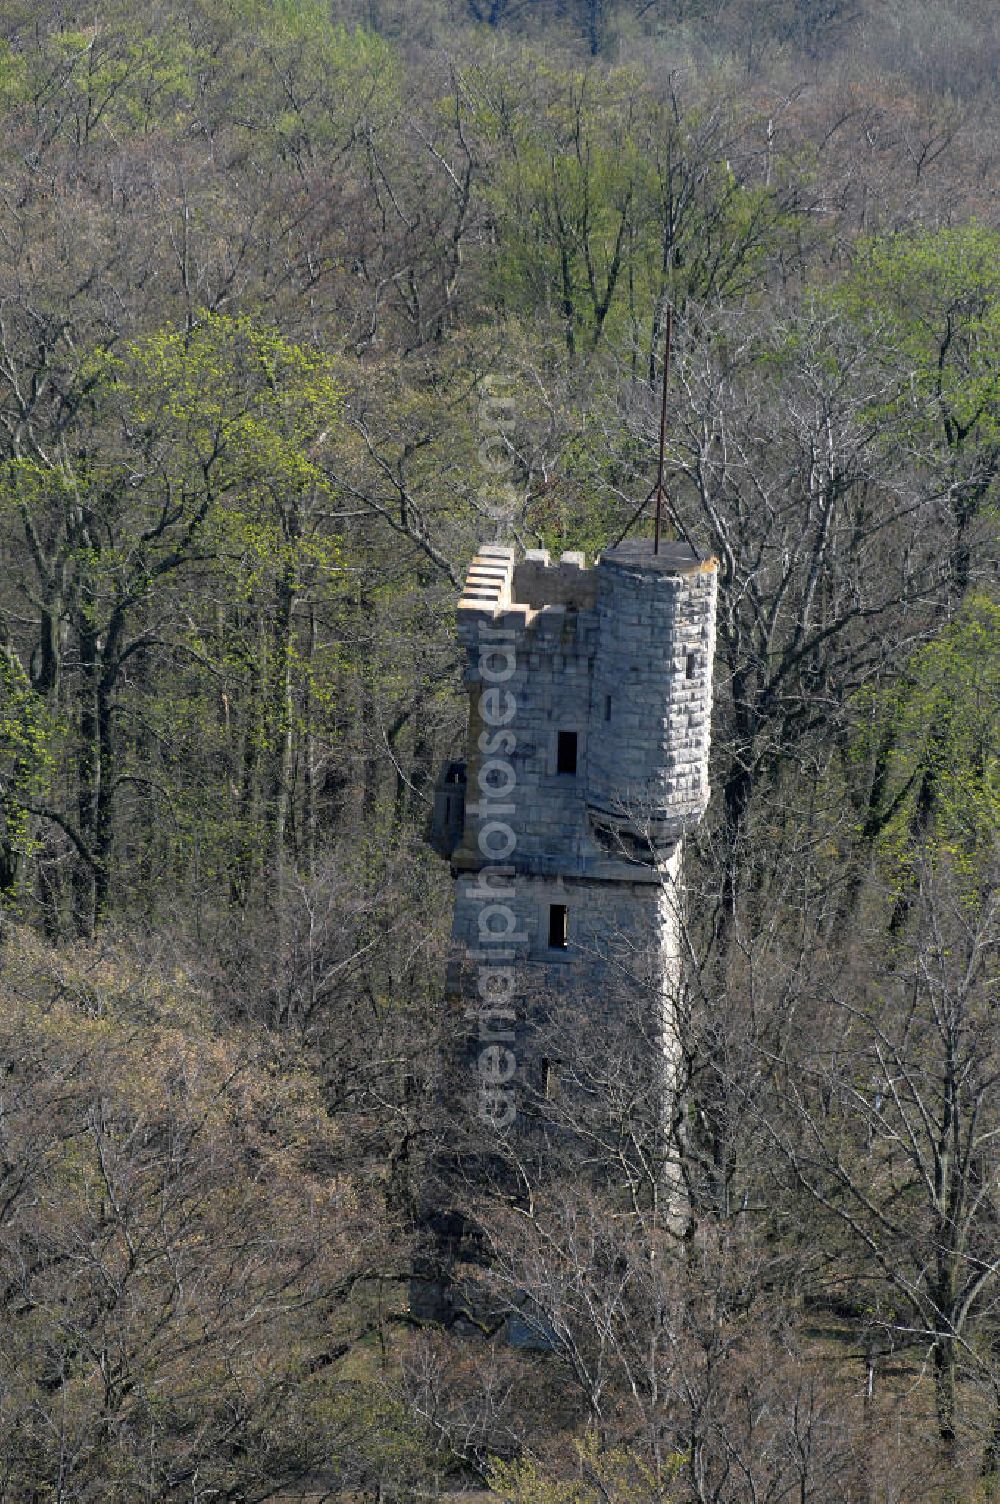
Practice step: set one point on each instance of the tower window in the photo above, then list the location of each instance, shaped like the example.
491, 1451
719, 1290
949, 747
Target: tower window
692, 665
607, 707
566, 752
558, 926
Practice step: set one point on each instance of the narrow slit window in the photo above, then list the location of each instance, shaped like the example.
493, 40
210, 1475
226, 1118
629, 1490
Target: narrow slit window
607, 707
566, 752
692, 665
558, 926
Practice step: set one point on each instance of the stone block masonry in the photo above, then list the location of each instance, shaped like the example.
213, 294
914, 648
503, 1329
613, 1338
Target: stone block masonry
590, 716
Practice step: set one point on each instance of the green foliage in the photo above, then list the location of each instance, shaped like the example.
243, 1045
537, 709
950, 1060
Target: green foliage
246, 413
565, 190
242, 422
932, 297
201, 455
942, 781
111, 79
26, 761
613, 1476
196, 446
315, 82
608, 201
13, 78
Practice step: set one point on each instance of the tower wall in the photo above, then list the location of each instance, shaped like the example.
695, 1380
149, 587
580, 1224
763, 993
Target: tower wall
648, 758
619, 656
589, 714
618, 660
552, 647
619, 933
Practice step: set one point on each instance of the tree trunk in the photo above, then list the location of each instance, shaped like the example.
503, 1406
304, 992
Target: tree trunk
283, 702
282, 712
945, 1402
595, 16
89, 773
308, 842
991, 1452
246, 864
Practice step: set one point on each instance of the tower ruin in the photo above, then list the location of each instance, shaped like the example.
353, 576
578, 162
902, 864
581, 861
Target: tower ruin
590, 709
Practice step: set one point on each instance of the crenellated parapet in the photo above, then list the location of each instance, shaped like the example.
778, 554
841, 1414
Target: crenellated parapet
610, 682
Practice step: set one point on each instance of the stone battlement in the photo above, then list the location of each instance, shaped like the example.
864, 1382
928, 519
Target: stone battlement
569, 583
497, 584
489, 582
607, 673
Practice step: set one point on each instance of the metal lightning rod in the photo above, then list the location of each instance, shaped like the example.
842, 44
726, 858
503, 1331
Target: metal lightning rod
660, 492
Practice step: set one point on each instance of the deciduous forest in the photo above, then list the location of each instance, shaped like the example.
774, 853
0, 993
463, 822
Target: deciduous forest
260, 260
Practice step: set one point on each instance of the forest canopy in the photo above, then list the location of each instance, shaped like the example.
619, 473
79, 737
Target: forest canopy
270, 272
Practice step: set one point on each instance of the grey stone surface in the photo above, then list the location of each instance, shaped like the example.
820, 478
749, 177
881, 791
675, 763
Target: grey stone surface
621, 656
631, 674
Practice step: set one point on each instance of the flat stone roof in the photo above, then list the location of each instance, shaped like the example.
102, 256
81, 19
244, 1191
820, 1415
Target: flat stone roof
673, 558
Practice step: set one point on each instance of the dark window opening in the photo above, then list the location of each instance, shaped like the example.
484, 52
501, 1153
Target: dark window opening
607, 707
692, 665
566, 752
558, 926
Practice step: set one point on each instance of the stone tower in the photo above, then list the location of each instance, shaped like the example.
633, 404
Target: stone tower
590, 706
